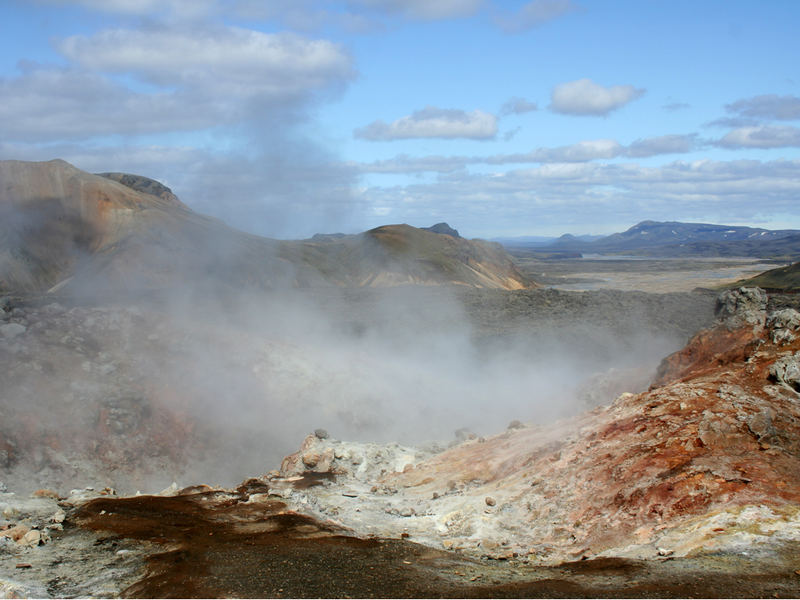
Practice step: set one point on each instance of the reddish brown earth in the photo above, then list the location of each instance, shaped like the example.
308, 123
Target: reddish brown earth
237, 544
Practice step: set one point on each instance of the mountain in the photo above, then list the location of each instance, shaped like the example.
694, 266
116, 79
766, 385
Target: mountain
66, 230
649, 234
783, 278
401, 254
673, 239
70, 230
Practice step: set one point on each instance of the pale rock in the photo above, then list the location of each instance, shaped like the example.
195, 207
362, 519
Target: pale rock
170, 490
743, 306
783, 324
32, 538
12, 330
16, 533
786, 370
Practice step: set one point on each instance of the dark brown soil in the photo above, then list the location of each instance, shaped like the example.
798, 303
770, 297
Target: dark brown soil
220, 545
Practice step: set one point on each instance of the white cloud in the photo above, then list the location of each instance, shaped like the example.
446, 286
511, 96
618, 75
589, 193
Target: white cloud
585, 97
588, 196
518, 106
768, 106
222, 62
202, 80
765, 136
53, 104
664, 144
181, 9
533, 14
584, 151
432, 122
578, 152
426, 10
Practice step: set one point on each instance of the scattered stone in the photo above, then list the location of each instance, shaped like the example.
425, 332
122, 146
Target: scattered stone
16, 533
321, 434
12, 330
490, 501
407, 512
23, 566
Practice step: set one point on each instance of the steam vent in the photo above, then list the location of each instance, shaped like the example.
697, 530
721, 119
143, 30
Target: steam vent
189, 410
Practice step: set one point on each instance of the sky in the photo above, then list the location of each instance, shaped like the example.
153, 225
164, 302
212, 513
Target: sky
503, 118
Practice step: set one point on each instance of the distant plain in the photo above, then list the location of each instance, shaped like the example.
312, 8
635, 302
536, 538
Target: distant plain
654, 275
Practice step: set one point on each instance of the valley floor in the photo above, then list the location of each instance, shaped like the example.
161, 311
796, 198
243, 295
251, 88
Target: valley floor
655, 275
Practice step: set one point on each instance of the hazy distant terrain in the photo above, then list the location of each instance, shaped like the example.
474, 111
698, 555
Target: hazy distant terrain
674, 239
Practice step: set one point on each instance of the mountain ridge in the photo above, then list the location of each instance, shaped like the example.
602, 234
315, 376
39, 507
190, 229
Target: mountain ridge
66, 230
676, 238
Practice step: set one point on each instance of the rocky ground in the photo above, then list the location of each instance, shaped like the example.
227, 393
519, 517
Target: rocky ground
690, 488
136, 395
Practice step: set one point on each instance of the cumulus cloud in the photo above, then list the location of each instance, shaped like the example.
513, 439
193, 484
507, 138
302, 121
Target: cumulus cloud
226, 61
675, 106
518, 106
432, 122
764, 136
664, 144
534, 13
563, 196
768, 106
51, 104
585, 97
202, 79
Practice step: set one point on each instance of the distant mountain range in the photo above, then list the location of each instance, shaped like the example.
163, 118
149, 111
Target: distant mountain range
675, 239
64, 230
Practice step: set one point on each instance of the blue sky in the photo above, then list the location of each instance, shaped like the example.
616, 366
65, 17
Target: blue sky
524, 117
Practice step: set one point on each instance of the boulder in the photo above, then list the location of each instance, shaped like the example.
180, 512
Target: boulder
786, 371
741, 307
783, 324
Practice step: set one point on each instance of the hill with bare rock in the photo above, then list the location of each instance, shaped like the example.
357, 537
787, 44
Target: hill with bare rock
403, 255
74, 232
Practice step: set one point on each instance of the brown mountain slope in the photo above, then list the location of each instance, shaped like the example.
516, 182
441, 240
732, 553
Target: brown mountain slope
66, 229
401, 255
